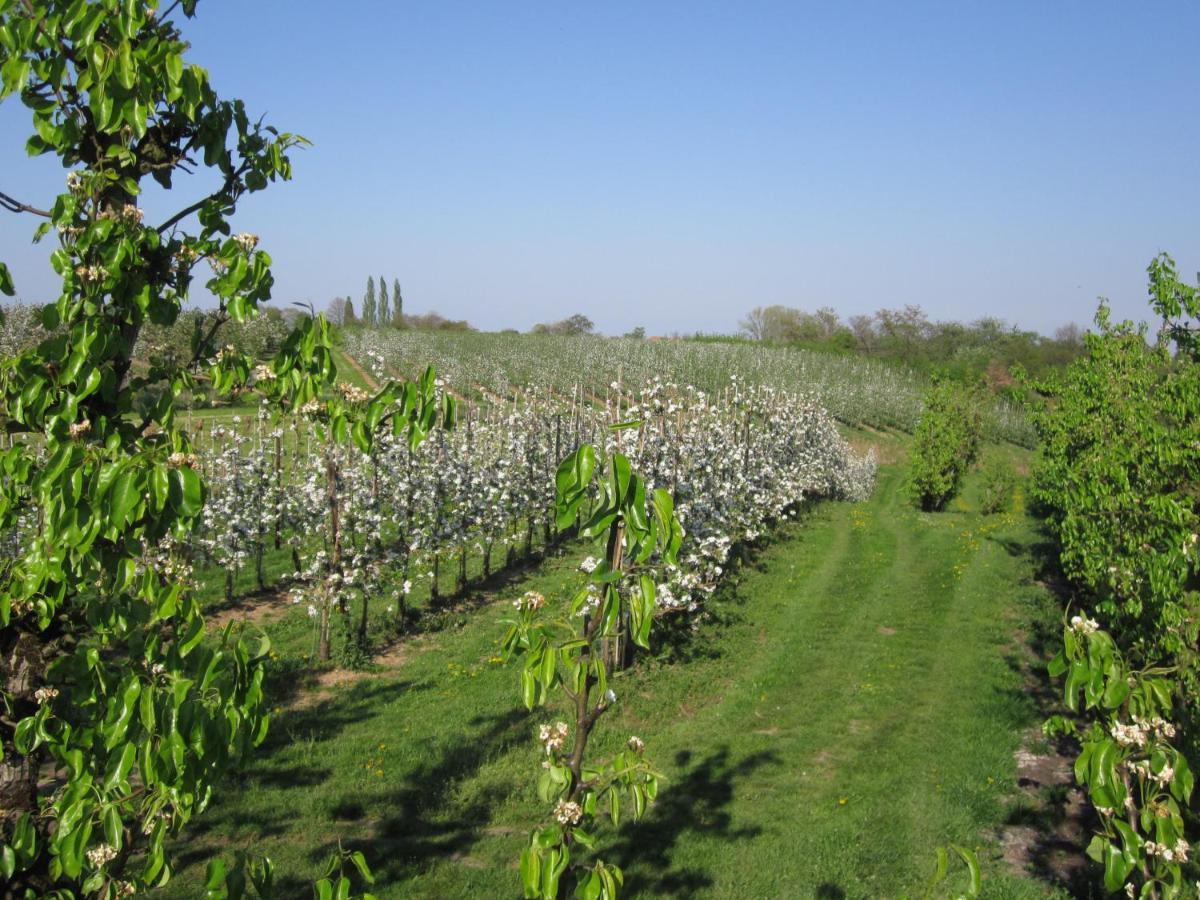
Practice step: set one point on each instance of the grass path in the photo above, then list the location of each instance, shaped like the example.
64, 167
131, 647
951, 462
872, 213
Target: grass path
849, 707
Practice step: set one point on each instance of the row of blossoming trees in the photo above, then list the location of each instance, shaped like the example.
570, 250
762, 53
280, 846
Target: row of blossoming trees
364, 528
1118, 478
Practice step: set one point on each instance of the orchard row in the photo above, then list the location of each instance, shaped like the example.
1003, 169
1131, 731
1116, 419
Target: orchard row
367, 529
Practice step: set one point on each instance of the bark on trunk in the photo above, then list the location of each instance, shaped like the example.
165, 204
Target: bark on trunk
21, 670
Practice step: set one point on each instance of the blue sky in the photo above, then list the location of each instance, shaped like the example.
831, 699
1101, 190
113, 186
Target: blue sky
672, 165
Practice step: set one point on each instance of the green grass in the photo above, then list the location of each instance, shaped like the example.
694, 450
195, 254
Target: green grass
846, 708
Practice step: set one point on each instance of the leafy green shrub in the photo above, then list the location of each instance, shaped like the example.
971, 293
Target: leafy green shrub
997, 484
945, 444
1116, 477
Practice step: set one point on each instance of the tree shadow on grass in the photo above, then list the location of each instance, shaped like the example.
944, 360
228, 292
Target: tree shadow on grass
426, 823
329, 717
695, 802
278, 766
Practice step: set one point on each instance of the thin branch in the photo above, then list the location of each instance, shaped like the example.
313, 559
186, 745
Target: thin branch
227, 191
18, 207
218, 320
163, 16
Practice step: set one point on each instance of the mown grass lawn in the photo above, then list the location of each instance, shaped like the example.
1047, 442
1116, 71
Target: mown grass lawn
847, 707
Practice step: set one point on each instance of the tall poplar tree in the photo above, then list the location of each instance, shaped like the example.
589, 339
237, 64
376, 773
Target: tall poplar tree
368, 309
397, 304
385, 316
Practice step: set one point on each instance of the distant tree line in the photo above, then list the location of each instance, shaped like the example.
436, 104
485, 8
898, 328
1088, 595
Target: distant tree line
986, 347
378, 309
576, 324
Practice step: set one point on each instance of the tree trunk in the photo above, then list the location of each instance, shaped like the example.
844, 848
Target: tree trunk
278, 490
323, 629
21, 670
434, 591
335, 556
362, 624
616, 647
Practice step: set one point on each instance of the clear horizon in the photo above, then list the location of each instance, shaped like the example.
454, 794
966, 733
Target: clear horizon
673, 167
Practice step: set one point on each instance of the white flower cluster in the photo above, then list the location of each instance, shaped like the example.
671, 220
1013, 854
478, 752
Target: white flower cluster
1176, 853
246, 241
1084, 626
568, 812
91, 274
590, 601
129, 214
530, 600
553, 736
101, 855
353, 393
1139, 731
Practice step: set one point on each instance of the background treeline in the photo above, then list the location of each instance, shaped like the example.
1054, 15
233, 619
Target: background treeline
381, 309
986, 348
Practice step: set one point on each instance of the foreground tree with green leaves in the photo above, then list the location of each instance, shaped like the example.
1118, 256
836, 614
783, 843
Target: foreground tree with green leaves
117, 715
573, 653
1117, 479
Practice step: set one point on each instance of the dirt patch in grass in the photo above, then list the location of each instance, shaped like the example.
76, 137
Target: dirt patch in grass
1050, 821
1049, 824
256, 607
326, 683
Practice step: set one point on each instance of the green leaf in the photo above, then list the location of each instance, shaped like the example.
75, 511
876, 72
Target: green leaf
25, 735
186, 491
972, 864
120, 766
114, 831
360, 863
531, 871
528, 688
641, 612
174, 67
1116, 867
25, 837
6, 282
215, 874
571, 482
124, 497
117, 730
126, 75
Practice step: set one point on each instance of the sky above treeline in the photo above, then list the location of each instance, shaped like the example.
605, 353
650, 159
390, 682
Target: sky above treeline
672, 165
